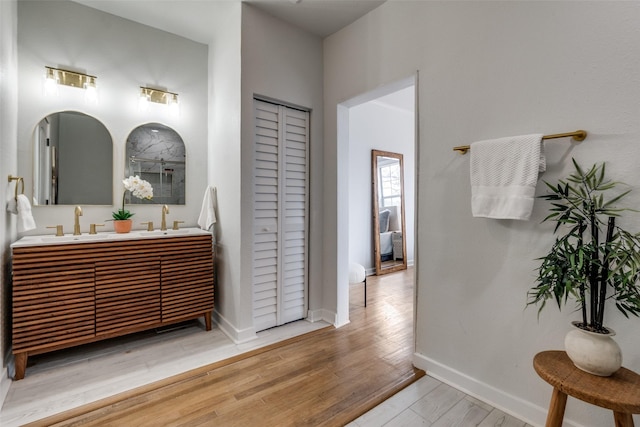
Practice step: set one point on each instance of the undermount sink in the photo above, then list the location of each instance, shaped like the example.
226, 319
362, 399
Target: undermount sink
104, 236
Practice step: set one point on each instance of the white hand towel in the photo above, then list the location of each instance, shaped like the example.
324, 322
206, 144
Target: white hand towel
25, 218
504, 174
208, 211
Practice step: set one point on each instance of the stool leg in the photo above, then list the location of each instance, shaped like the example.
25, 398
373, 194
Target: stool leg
623, 420
556, 408
365, 291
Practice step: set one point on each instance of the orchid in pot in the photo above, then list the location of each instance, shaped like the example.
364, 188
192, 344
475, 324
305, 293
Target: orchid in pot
595, 260
140, 189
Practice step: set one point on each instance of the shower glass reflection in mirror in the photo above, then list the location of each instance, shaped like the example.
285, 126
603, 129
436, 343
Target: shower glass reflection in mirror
156, 153
388, 212
72, 161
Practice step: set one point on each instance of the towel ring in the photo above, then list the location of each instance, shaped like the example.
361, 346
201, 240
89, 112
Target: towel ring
20, 181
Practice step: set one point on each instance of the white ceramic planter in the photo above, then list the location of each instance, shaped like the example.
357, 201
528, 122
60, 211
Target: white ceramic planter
595, 353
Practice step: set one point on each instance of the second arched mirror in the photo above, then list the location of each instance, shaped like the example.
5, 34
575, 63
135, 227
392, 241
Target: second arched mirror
156, 153
389, 232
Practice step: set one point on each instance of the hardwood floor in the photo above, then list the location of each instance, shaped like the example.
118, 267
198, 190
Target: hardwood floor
327, 377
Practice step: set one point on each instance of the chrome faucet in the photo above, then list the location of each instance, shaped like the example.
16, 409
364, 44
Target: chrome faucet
165, 211
77, 213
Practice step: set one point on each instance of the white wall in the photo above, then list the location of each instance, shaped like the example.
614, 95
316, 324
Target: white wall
491, 69
224, 161
124, 56
283, 63
381, 126
8, 166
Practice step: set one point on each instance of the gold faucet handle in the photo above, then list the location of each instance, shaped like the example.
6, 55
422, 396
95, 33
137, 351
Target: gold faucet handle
176, 224
59, 231
149, 225
92, 228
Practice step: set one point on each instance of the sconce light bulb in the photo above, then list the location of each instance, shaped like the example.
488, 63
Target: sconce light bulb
174, 106
91, 91
143, 101
50, 82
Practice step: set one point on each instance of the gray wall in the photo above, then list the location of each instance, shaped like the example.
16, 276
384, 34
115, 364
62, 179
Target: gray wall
283, 63
486, 70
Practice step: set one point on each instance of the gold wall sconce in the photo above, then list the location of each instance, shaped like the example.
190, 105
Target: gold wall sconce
56, 76
159, 96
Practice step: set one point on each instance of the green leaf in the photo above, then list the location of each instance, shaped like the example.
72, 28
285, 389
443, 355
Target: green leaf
615, 199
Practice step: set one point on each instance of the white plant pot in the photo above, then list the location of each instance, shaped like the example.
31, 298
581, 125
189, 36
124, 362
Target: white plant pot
592, 352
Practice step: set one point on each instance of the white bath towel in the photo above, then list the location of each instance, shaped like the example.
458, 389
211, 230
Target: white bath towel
504, 174
25, 217
208, 211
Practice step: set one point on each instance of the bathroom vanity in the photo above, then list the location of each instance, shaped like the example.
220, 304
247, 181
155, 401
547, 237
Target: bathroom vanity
72, 290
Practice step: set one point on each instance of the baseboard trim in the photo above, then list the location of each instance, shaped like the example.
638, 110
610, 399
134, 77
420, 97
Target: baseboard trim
326, 315
238, 336
316, 316
507, 403
241, 336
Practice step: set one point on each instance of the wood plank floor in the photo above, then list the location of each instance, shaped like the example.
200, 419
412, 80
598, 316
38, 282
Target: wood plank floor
328, 377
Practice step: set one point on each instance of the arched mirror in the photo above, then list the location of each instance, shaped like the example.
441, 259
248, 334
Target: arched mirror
389, 233
72, 161
156, 153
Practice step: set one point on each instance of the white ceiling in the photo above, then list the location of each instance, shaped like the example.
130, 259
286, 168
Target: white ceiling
319, 17
191, 18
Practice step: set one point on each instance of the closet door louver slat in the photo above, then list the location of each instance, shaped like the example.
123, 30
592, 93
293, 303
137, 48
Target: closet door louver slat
294, 204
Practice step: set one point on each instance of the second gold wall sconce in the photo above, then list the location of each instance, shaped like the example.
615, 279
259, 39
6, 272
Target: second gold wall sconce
159, 96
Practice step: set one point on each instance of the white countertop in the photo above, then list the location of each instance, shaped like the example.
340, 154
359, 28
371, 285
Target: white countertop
52, 239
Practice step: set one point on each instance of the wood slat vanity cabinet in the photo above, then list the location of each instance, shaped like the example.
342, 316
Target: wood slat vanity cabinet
80, 292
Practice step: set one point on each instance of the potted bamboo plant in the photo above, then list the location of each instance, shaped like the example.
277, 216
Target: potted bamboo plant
592, 261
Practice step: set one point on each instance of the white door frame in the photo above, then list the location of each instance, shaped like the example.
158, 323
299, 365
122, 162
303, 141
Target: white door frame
342, 191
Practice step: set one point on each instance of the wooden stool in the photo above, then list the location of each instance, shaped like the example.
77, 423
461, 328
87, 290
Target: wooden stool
619, 392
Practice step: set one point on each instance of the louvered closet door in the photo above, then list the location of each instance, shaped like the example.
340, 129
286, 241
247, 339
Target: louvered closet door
280, 215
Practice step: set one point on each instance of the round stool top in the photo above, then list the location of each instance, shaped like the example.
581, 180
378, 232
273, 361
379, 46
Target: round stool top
620, 392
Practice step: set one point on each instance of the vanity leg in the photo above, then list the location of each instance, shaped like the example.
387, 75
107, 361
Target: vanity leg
20, 365
207, 321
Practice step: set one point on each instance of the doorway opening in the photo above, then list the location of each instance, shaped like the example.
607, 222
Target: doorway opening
382, 119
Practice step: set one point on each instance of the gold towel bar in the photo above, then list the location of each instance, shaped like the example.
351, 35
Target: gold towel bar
578, 135
20, 181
